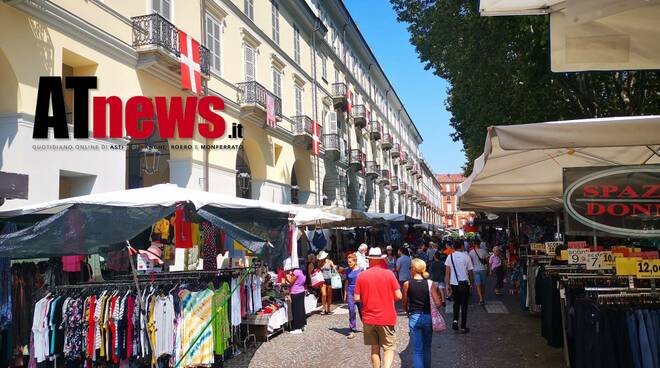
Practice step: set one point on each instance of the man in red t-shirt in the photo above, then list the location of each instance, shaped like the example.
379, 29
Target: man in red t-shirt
378, 289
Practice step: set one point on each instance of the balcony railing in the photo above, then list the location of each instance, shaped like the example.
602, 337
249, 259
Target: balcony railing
394, 184
339, 96
373, 169
357, 159
403, 188
403, 158
331, 142
302, 125
375, 130
253, 93
360, 116
385, 176
396, 150
153, 30
387, 141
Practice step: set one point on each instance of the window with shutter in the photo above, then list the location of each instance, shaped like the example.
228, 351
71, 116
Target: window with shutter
249, 8
275, 18
250, 67
331, 122
324, 67
299, 101
296, 44
162, 7
214, 42
277, 82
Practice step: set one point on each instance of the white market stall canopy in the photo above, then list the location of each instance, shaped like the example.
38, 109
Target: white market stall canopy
593, 34
168, 195
521, 167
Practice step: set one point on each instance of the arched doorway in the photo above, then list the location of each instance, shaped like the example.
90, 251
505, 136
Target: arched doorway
295, 190
302, 181
243, 175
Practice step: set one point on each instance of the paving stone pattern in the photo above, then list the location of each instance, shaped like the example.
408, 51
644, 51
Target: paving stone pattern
509, 340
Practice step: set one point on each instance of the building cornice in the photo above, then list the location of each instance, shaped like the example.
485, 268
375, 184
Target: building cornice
78, 29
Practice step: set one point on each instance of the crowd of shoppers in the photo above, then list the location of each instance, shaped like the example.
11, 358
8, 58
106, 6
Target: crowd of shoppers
422, 278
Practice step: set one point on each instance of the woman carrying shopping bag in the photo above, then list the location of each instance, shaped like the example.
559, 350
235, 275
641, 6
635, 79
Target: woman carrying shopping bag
327, 267
352, 273
421, 302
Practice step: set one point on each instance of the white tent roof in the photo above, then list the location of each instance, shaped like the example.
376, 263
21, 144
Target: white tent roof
593, 34
517, 7
167, 195
521, 168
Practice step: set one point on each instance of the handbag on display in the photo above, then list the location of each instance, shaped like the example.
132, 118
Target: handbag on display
335, 280
438, 321
317, 278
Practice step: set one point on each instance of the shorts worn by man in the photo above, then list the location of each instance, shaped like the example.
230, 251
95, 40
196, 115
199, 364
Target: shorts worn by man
378, 289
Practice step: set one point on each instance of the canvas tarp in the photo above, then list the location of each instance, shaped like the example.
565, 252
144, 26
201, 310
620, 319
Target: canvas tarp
86, 224
521, 168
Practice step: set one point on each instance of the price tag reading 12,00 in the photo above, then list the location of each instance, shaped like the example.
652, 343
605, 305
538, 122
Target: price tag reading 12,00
648, 269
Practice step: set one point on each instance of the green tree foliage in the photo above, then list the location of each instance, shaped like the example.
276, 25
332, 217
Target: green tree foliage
498, 69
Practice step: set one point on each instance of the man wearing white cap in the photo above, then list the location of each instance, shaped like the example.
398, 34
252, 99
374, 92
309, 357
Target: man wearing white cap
378, 290
361, 255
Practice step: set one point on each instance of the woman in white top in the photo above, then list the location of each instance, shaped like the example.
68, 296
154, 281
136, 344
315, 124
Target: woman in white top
327, 267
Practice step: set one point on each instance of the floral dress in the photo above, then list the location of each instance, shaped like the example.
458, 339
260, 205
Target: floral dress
73, 335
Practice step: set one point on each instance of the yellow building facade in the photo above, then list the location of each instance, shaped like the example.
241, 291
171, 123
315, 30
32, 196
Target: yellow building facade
308, 57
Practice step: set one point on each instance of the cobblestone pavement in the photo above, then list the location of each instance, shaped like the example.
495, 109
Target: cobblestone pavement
506, 337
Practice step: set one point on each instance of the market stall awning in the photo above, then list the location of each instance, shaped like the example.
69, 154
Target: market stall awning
168, 195
87, 224
588, 35
521, 168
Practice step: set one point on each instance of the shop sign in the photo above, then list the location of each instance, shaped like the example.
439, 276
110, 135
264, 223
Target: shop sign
626, 266
600, 261
620, 201
648, 269
577, 256
551, 246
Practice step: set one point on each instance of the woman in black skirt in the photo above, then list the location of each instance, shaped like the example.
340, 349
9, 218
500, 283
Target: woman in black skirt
296, 278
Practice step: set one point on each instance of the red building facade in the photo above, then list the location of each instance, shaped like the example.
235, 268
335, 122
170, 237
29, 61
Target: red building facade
452, 217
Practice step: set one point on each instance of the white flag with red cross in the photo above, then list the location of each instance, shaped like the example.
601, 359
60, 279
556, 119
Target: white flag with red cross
316, 142
191, 78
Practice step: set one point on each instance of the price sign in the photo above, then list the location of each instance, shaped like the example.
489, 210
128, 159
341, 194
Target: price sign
537, 247
577, 256
626, 266
551, 246
564, 254
600, 261
648, 269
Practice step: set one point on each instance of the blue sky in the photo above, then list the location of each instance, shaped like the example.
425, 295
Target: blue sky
423, 93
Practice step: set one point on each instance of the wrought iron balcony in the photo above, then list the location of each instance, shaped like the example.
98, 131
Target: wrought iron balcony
332, 145
360, 117
254, 95
375, 130
403, 188
394, 184
302, 129
403, 158
357, 159
396, 150
340, 95
385, 176
373, 169
387, 142
154, 33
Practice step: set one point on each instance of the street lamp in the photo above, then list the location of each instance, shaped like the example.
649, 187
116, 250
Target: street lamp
244, 183
151, 159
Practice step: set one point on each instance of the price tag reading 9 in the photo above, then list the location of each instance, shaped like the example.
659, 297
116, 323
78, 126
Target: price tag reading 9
577, 256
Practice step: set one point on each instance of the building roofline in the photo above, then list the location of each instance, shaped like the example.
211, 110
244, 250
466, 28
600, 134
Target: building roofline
364, 41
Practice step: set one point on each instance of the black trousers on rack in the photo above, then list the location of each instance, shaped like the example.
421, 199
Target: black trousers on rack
461, 298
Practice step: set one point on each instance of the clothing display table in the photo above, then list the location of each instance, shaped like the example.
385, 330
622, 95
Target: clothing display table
264, 326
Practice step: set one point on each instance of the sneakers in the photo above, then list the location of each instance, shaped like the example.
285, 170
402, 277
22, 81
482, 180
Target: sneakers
296, 332
454, 326
465, 330
351, 335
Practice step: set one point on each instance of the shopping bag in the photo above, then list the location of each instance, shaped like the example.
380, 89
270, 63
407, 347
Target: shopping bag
317, 278
335, 281
438, 321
